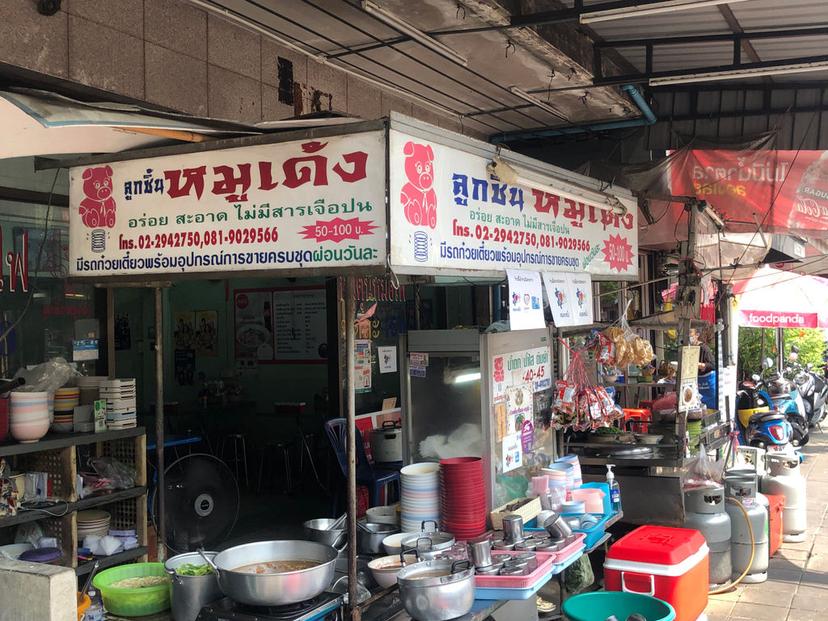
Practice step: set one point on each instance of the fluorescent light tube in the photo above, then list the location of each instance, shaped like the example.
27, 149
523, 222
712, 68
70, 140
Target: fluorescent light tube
740, 74
387, 17
601, 200
669, 6
465, 378
535, 101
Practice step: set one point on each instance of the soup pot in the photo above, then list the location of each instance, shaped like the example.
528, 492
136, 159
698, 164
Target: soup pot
277, 589
437, 590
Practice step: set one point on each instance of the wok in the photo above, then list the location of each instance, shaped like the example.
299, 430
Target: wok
278, 589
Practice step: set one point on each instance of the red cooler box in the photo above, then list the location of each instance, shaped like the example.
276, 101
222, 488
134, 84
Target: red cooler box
671, 564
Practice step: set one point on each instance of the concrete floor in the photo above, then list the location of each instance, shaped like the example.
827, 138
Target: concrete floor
797, 587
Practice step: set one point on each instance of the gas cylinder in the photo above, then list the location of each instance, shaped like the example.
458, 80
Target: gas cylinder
742, 538
704, 510
784, 477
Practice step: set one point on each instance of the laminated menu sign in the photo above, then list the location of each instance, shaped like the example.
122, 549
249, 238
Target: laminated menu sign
570, 298
525, 300
530, 366
519, 407
512, 457
362, 365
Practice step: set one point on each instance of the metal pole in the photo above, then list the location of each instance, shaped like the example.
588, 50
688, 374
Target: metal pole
350, 314
110, 332
159, 424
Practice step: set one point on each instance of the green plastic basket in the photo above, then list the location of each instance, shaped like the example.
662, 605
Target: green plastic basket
133, 602
601, 604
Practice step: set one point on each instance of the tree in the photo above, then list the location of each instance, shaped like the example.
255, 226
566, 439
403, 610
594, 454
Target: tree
810, 341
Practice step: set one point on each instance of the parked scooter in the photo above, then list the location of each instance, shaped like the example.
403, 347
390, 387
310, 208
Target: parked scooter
758, 424
812, 387
785, 399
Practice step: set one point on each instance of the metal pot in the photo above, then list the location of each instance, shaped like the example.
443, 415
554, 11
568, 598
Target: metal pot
557, 527
386, 443
320, 530
191, 593
278, 589
437, 590
370, 536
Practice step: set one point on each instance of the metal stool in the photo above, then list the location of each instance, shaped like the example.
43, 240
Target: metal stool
268, 451
238, 457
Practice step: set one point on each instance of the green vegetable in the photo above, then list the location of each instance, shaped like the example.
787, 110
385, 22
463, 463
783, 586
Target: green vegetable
191, 569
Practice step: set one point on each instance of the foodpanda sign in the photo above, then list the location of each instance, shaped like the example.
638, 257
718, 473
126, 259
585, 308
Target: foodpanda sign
773, 319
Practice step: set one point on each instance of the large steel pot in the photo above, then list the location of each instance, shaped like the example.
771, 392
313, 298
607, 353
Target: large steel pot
437, 590
191, 593
274, 589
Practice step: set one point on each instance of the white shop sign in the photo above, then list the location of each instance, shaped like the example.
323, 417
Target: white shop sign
446, 212
300, 204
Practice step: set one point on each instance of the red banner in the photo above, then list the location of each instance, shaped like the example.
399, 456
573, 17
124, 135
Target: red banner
744, 185
777, 319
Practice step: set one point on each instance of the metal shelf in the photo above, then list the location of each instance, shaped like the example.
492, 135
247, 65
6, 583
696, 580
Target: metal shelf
53, 441
61, 508
111, 561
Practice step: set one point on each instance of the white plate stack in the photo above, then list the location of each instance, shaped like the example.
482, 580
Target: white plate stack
121, 405
419, 495
93, 523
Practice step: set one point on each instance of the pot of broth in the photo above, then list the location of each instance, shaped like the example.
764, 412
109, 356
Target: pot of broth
275, 573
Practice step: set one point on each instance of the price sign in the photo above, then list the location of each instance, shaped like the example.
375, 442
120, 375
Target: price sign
530, 366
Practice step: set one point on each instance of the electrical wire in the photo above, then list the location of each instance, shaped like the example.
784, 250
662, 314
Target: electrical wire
35, 281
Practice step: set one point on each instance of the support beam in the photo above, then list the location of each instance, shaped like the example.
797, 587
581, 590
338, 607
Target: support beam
788, 33
19, 195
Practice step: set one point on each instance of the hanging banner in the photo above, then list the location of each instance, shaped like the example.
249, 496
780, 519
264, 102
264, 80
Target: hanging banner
447, 212
743, 186
525, 300
302, 204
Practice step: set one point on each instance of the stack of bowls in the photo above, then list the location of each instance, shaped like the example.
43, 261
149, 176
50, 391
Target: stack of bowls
29, 420
463, 497
572, 460
120, 396
560, 475
419, 495
66, 400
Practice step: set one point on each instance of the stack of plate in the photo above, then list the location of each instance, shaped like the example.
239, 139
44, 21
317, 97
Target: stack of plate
29, 417
89, 388
419, 495
66, 399
120, 403
463, 497
93, 523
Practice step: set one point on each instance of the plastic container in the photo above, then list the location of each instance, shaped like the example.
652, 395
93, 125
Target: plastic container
605, 489
776, 508
84, 602
601, 604
133, 602
671, 564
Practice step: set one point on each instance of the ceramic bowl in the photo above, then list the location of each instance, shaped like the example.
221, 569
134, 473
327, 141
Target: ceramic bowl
385, 568
29, 431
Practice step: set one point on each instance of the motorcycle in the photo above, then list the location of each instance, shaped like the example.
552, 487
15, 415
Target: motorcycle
811, 386
758, 424
785, 399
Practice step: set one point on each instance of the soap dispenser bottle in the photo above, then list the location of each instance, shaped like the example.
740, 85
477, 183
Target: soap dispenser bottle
614, 489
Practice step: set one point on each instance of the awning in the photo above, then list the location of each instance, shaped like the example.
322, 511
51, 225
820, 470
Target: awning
43, 123
771, 298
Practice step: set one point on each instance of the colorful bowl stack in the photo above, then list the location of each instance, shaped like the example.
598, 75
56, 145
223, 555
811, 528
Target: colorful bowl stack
419, 495
572, 460
120, 403
66, 400
29, 419
463, 497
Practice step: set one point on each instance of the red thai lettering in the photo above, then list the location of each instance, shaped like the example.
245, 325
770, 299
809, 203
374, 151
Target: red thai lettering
311, 168
609, 219
234, 186
544, 202
358, 161
266, 181
193, 178
574, 212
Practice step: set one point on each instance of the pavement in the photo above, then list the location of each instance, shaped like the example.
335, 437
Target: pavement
797, 586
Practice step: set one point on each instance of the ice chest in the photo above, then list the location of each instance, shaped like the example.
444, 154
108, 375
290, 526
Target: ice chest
671, 564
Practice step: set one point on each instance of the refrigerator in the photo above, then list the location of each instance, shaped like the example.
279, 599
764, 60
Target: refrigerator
467, 393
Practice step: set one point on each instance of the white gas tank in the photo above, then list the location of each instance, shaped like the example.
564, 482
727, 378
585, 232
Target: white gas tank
785, 477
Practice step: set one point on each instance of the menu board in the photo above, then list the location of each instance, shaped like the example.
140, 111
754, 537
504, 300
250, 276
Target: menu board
280, 325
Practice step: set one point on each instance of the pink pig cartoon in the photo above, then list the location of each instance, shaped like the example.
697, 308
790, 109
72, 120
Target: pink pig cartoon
97, 209
417, 196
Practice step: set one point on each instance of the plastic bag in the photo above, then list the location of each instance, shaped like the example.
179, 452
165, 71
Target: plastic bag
48, 376
703, 471
119, 475
579, 575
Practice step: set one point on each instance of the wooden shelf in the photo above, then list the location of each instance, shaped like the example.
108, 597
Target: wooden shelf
54, 441
60, 509
111, 561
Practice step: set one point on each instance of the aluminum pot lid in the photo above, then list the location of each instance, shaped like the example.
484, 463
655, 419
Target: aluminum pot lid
439, 540
436, 573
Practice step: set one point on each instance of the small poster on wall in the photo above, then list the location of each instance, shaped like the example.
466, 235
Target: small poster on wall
206, 333
184, 329
512, 453
254, 325
362, 365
